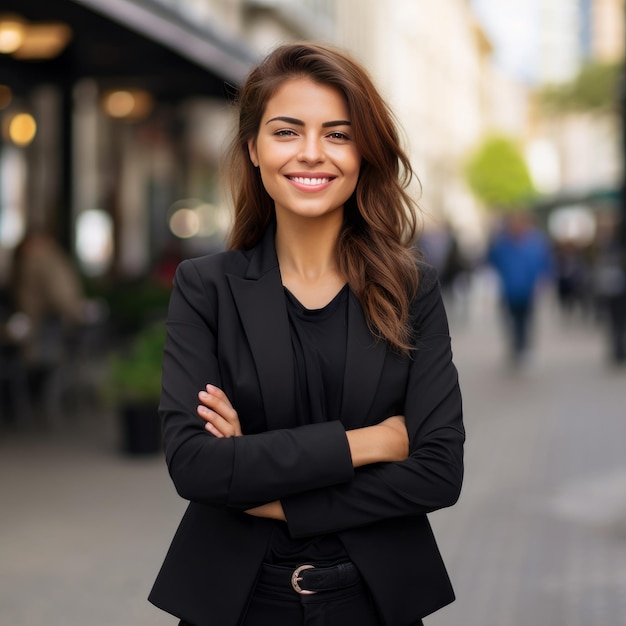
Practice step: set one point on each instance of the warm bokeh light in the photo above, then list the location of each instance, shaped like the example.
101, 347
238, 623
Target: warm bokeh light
22, 129
128, 104
192, 217
23, 40
119, 103
43, 41
12, 33
185, 223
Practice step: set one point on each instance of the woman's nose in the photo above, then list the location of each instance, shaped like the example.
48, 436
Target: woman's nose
312, 150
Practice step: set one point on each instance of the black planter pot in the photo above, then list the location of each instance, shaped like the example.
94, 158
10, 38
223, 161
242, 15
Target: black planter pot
141, 430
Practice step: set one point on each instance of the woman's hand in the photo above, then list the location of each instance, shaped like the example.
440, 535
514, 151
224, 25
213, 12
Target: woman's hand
218, 413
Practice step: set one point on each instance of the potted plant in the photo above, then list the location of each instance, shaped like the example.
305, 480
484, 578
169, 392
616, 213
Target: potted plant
135, 385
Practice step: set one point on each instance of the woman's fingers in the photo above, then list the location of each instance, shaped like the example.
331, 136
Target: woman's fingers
215, 423
218, 405
218, 394
216, 409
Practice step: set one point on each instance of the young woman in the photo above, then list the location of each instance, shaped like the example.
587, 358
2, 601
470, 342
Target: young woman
329, 420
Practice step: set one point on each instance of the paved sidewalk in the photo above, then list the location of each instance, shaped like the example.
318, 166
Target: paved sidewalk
538, 537
83, 529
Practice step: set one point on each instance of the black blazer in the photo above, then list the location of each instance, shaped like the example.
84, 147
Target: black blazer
227, 325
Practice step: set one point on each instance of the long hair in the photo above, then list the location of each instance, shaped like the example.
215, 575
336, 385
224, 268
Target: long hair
380, 218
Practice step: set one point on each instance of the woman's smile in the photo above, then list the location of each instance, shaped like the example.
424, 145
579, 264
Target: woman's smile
311, 182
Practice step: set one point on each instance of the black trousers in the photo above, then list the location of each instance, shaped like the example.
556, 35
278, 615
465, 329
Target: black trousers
274, 602
519, 318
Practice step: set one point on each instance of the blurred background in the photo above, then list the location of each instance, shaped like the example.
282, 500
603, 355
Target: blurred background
113, 116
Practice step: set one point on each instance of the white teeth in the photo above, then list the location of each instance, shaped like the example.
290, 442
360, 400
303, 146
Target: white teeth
309, 181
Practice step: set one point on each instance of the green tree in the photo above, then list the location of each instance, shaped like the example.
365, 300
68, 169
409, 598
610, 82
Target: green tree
595, 88
498, 175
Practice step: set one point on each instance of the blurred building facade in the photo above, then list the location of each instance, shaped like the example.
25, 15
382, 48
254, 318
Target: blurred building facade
607, 34
583, 148
561, 39
434, 62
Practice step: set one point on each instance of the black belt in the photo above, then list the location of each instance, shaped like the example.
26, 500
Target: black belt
308, 579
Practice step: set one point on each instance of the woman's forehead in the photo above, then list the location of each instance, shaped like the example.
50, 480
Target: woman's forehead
301, 95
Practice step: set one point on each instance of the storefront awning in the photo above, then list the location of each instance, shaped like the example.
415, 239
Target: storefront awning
203, 45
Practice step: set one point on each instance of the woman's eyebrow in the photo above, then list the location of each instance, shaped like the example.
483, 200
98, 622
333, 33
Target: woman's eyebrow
297, 122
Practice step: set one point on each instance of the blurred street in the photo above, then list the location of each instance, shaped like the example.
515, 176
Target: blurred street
538, 537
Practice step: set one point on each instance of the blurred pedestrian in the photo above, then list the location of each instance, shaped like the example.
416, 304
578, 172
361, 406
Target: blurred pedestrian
439, 247
331, 423
522, 257
572, 277
609, 285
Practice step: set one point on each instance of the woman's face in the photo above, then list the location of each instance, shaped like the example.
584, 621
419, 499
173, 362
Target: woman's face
305, 150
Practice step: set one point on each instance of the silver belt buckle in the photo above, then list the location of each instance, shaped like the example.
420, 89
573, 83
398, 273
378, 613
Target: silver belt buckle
295, 579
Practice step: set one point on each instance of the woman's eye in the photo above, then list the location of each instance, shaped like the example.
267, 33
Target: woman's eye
339, 136
284, 132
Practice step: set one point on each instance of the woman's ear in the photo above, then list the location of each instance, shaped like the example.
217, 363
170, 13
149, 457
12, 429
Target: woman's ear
252, 152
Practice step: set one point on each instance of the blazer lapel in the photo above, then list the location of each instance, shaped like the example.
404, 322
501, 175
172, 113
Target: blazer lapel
364, 362
260, 302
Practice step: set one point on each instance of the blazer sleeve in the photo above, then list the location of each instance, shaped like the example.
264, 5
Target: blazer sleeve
237, 472
431, 477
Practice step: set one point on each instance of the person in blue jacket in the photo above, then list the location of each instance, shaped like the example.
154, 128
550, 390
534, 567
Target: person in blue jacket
522, 257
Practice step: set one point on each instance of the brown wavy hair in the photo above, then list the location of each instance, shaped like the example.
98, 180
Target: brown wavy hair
380, 218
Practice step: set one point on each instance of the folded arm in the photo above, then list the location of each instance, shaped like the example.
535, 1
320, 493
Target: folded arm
384, 442
425, 480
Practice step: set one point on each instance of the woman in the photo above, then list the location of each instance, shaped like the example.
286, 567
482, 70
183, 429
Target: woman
329, 421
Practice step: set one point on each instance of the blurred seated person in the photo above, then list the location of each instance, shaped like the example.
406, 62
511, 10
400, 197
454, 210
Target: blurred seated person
47, 289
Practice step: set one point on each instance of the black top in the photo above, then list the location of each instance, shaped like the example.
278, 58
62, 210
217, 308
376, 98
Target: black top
318, 339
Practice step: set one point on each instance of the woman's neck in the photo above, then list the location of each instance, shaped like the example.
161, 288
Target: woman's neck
306, 251
307, 246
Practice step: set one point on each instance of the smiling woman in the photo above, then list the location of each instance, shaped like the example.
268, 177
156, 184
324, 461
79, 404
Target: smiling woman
309, 163
311, 410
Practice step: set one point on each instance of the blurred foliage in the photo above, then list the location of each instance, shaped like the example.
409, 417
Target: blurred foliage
134, 372
498, 176
595, 88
